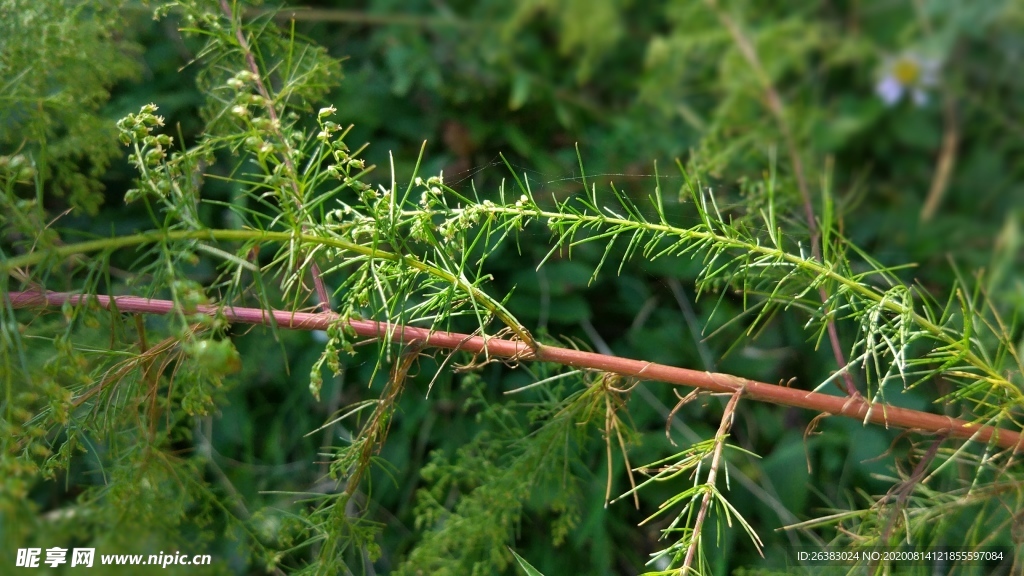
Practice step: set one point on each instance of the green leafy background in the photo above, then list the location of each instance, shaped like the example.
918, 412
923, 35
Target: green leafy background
632, 86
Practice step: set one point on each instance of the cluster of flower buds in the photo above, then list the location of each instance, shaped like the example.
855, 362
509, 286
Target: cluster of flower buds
342, 161
150, 149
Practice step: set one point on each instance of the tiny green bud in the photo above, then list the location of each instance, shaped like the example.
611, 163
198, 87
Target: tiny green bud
154, 156
218, 356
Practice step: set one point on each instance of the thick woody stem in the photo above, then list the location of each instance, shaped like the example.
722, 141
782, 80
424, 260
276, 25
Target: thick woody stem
850, 407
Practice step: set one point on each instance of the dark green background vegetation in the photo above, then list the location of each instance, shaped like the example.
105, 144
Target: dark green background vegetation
632, 86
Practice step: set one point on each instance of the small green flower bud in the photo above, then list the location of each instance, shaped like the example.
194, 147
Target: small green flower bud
217, 355
154, 156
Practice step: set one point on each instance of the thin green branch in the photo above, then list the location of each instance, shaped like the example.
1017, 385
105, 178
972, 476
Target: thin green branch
258, 237
811, 267
292, 175
777, 109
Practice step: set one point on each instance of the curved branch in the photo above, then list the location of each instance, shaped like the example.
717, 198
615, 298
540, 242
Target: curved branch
859, 408
104, 244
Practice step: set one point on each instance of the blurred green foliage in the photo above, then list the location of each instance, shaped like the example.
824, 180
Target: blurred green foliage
628, 84
59, 61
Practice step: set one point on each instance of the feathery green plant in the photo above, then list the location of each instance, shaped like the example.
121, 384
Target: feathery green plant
59, 61
118, 401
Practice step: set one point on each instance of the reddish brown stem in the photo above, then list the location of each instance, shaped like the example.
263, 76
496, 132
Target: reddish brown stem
275, 125
775, 106
852, 407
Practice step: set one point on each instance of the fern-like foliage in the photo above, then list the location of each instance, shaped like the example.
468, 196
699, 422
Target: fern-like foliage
59, 61
123, 403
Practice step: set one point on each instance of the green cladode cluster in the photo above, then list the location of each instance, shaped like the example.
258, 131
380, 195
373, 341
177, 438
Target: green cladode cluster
214, 158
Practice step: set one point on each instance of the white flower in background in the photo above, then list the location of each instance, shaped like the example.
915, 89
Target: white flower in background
908, 74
